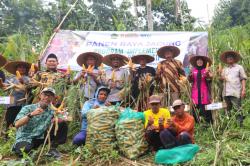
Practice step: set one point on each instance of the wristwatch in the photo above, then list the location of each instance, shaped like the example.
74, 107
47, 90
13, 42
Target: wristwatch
29, 116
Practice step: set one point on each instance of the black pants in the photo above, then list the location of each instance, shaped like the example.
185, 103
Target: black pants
234, 102
11, 114
58, 139
201, 111
167, 139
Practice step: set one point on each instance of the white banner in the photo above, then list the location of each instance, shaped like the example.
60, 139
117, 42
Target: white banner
67, 45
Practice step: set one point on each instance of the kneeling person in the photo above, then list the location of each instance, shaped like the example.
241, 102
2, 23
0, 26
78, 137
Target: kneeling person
179, 129
155, 118
99, 100
32, 123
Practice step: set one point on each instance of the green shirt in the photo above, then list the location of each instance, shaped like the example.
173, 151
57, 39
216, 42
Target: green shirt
36, 126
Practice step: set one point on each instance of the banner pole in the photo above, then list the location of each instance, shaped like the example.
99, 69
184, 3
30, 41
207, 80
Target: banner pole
57, 29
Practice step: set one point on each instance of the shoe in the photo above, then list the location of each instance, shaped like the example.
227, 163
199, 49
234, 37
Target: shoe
54, 153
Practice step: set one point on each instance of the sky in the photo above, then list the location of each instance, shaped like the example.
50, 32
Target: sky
202, 9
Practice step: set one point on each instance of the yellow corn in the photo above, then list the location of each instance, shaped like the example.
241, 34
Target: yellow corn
113, 76
101, 67
90, 68
32, 67
207, 66
18, 75
130, 63
159, 66
83, 67
68, 70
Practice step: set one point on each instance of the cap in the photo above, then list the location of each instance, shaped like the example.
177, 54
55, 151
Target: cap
177, 102
49, 90
154, 99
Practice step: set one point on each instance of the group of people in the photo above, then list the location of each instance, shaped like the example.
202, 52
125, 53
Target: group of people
32, 115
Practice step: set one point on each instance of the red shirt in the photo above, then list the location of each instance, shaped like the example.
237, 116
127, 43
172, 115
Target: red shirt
186, 123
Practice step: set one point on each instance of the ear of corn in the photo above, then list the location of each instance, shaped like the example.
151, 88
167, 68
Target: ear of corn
32, 67
68, 70
101, 67
18, 75
207, 66
83, 67
113, 77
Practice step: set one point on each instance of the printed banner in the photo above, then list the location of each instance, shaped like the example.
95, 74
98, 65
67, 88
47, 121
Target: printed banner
68, 45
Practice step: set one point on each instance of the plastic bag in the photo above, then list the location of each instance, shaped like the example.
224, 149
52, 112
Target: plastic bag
177, 154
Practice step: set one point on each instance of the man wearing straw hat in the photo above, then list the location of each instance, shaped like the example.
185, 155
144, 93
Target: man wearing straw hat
170, 71
2, 63
142, 79
90, 77
234, 79
17, 84
116, 77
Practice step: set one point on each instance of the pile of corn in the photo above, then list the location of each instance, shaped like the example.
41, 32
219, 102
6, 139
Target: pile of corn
101, 128
130, 137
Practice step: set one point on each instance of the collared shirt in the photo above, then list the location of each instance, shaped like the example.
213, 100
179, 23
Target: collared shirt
234, 75
17, 93
36, 126
90, 85
163, 113
169, 74
120, 78
186, 123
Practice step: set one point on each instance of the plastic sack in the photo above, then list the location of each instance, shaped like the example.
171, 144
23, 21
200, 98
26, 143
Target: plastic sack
177, 154
130, 134
101, 128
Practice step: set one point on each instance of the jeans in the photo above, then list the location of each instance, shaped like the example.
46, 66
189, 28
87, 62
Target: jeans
80, 138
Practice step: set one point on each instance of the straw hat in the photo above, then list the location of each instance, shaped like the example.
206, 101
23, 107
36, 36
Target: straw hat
2, 61
236, 55
12, 66
82, 58
136, 58
107, 60
162, 50
205, 59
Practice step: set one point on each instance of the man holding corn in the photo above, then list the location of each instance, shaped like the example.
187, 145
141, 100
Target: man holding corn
234, 82
170, 71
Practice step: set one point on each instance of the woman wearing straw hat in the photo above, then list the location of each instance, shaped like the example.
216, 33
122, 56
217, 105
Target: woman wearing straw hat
169, 71
116, 77
140, 81
2, 63
234, 79
19, 93
89, 76
199, 77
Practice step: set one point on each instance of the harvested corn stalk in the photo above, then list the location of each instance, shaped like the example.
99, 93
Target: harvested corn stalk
101, 128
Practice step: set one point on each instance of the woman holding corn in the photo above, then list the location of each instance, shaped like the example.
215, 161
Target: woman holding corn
199, 78
17, 84
89, 74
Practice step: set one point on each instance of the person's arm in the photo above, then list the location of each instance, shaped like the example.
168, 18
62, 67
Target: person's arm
243, 78
24, 116
181, 70
86, 107
78, 76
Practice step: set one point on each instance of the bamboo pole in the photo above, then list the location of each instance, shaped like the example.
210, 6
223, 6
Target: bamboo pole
149, 15
57, 29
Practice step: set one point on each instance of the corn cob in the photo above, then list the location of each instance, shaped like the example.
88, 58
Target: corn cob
18, 75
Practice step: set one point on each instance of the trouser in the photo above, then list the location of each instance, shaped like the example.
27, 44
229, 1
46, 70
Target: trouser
11, 114
167, 139
58, 139
201, 111
234, 102
80, 138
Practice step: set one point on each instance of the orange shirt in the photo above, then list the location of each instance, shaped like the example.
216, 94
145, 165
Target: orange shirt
184, 124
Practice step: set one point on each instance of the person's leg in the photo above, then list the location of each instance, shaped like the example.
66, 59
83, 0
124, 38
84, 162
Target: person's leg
153, 139
80, 138
237, 106
11, 114
229, 105
206, 114
195, 113
168, 139
61, 134
184, 138
25, 146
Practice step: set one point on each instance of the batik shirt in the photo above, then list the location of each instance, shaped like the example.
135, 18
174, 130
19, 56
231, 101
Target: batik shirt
36, 126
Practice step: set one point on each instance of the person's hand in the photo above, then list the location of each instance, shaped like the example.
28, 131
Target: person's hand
107, 104
243, 93
161, 121
96, 106
21, 80
83, 73
150, 120
151, 127
113, 85
37, 111
170, 123
31, 74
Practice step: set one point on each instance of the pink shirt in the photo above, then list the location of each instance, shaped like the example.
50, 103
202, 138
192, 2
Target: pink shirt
205, 94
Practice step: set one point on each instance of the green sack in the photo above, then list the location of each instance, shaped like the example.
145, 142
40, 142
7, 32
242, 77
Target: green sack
128, 113
176, 155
